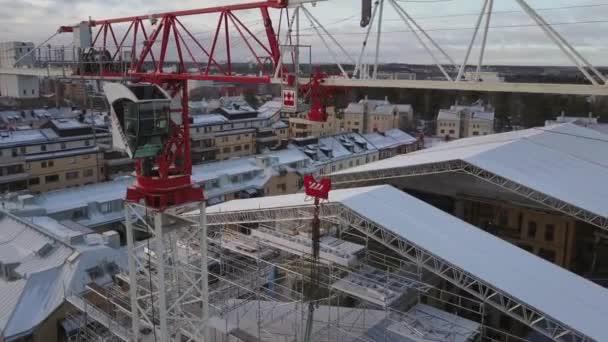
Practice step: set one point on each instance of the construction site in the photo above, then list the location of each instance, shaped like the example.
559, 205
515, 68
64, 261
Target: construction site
352, 257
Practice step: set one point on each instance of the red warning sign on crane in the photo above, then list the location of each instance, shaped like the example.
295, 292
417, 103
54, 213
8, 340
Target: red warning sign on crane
289, 99
317, 189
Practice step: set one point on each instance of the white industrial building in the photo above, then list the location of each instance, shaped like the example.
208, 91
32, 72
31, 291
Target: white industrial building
18, 55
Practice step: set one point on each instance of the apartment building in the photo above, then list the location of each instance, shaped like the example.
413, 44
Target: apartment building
62, 154
548, 235
369, 116
465, 121
394, 142
236, 130
301, 127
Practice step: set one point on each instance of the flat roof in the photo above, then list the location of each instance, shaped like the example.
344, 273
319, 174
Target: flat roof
560, 294
564, 161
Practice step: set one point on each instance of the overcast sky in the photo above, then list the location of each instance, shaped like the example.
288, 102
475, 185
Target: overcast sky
449, 22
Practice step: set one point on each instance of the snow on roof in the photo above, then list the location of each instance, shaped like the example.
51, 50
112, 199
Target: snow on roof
68, 124
400, 136
524, 276
447, 114
44, 277
269, 109
482, 115
390, 139
23, 137
354, 108
208, 119
279, 125
545, 159
385, 109
205, 172
68, 199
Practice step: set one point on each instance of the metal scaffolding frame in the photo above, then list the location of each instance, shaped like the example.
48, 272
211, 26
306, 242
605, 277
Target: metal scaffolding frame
376, 177
482, 291
166, 277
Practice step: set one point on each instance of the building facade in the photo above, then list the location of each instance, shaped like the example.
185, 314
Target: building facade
63, 154
371, 116
465, 121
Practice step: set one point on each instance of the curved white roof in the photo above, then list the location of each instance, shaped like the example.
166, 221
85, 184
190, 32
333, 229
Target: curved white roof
566, 162
564, 296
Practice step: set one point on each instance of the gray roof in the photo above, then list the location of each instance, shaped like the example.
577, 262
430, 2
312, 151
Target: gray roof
45, 278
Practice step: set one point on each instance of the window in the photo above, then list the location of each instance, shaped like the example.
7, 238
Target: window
282, 187
22, 151
42, 147
234, 179
87, 173
51, 178
475, 133
105, 207
33, 91
238, 137
71, 175
63, 146
532, 229
87, 143
350, 163
547, 254
24, 92
226, 149
34, 181
237, 148
246, 147
51, 163
442, 131
452, 131
43, 165
549, 232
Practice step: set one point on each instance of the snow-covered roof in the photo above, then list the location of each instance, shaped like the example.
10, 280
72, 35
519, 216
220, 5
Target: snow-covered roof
447, 114
269, 109
354, 108
208, 119
522, 275
44, 278
25, 137
565, 161
68, 124
482, 115
390, 139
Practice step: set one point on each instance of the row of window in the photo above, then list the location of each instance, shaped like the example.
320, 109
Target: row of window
451, 131
549, 231
70, 175
43, 148
447, 124
237, 148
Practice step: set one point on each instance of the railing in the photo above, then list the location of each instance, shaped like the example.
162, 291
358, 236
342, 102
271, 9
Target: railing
101, 317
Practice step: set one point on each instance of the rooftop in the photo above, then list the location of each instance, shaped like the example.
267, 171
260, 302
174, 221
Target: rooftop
540, 159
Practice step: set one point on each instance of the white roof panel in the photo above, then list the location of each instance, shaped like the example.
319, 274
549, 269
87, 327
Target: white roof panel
564, 296
566, 161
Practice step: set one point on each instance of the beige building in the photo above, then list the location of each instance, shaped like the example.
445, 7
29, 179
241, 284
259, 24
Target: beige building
465, 121
236, 130
548, 235
235, 143
370, 116
62, 155
301, 127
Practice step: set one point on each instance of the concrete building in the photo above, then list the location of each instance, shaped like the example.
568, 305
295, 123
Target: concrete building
19, 86
13, 52
465, 121
370, 116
